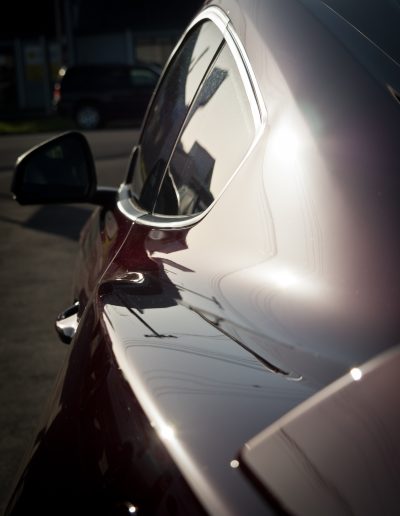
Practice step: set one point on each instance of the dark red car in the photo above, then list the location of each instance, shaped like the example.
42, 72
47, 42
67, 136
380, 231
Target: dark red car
236, 319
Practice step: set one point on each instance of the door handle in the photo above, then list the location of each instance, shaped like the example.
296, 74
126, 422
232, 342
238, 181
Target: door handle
67, 323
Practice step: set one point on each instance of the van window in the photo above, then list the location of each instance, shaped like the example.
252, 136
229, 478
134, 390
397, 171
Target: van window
142, 77
218, 132
170, 107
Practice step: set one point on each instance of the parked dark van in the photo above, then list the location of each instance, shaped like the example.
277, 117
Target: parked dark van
96, 94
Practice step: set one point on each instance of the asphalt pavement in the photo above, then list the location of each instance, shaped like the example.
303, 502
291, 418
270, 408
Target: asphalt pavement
38, 248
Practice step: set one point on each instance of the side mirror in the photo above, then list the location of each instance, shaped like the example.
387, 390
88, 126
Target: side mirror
60, 170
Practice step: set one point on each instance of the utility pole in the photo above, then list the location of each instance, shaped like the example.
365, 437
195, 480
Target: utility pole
58, 27
69, 32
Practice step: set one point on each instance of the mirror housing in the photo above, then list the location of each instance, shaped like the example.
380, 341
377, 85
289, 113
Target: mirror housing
60, 170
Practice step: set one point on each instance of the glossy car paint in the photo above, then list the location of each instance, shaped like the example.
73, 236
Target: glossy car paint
357, 439
196, 336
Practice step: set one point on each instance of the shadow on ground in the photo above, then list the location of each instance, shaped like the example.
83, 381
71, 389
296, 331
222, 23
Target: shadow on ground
66, 221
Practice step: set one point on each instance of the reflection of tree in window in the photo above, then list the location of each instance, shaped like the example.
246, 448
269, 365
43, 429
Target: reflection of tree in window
210, 87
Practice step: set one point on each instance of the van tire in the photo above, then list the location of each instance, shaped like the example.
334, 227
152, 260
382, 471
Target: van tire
88, 116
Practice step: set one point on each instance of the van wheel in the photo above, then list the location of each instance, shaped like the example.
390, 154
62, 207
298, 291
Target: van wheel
88, 116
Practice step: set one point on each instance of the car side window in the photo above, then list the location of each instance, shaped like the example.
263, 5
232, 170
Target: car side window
170, 107
217, 134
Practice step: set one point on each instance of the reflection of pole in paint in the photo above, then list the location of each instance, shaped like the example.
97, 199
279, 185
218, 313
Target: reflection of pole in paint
154, 333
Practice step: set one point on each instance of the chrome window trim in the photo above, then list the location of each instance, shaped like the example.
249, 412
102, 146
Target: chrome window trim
126, 203
236, 45
130, 208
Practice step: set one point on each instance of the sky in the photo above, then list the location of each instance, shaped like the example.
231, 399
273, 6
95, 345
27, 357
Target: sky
22, 18
38, 18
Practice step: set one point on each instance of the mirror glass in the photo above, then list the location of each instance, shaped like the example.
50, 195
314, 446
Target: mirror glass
60, 170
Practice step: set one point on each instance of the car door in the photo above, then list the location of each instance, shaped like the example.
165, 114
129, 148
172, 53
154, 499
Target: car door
155, 342
151, 359
108, 227
69, 442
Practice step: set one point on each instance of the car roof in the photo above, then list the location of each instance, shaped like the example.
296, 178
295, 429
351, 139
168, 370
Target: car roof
377, 20
369, 31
